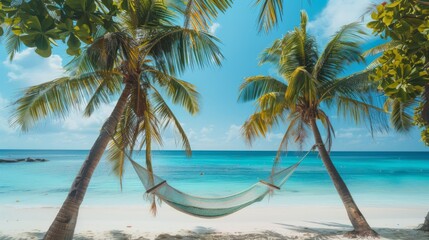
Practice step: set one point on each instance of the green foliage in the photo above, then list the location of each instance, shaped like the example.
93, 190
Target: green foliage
423, 124
39, 23
42, 23
402, 69
310, 84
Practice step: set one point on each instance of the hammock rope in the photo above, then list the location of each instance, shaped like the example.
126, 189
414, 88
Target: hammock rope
213, 207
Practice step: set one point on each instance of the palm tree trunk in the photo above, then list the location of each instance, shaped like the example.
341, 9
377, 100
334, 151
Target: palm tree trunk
360, 225
65, 221
425, 226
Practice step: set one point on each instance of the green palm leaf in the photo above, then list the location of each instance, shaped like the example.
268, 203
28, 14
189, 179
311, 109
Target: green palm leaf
254, 87
175, 49
343, 49
168, 118
111, 85
199, 14
55, 98
381, 48
12, 43
363, 110
180, 92
270, 13
400, 114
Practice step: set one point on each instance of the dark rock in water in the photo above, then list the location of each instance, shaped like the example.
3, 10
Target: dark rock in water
23, 160
9, 160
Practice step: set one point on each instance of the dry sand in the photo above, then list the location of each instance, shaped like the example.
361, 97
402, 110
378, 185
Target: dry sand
261, 221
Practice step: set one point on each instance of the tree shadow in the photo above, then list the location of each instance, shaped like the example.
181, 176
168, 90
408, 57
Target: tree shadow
5, 237
267, 235
203, 230
329, 230
335, 230
120, 235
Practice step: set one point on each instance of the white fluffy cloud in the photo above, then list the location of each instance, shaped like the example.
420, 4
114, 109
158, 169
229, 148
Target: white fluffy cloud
233, 133
202, 136
28, 68
78, 123
274, 136
214, 27
350, 132
338, 13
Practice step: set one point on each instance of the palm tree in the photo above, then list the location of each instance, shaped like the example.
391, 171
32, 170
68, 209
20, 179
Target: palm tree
139, 63
311, 85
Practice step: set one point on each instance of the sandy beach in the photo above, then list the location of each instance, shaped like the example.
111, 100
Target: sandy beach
262, 221
392, 195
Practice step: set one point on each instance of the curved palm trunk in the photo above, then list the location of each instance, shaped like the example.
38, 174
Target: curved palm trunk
65, 221
425, 226
360, 225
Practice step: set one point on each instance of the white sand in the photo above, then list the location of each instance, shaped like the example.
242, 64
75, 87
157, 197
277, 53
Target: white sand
262, 221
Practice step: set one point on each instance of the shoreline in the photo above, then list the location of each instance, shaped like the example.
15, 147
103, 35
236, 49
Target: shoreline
256, 222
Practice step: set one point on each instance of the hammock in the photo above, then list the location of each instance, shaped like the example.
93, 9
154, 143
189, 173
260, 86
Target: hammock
211, 207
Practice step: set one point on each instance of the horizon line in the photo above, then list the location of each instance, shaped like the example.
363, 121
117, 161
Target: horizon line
203, 150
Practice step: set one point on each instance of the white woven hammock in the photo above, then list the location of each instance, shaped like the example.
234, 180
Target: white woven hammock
211, 207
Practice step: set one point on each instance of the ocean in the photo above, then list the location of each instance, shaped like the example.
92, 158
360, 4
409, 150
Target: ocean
374, 178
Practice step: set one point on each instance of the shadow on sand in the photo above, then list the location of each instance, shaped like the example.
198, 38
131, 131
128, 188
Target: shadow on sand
317, 231
332, 230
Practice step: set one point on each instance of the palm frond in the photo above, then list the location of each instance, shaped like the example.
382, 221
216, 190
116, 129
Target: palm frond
283, 146
255, 126
254, 87
273, 103
381, 48
12, 43
116, 151
259, 123
363, 111
111, 84
176, 49
425, 104
55, 98
400, 114
199, 14
296, 49
330, 132
270, 13
123, 140
301, 85
167, 117
342, 50
353, 85
181, 92
142, 13
105, 53
273, 53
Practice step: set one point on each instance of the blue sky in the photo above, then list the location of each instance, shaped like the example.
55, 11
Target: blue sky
218, 124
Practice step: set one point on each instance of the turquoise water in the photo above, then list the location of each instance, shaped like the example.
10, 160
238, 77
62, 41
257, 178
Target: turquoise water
374, 178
